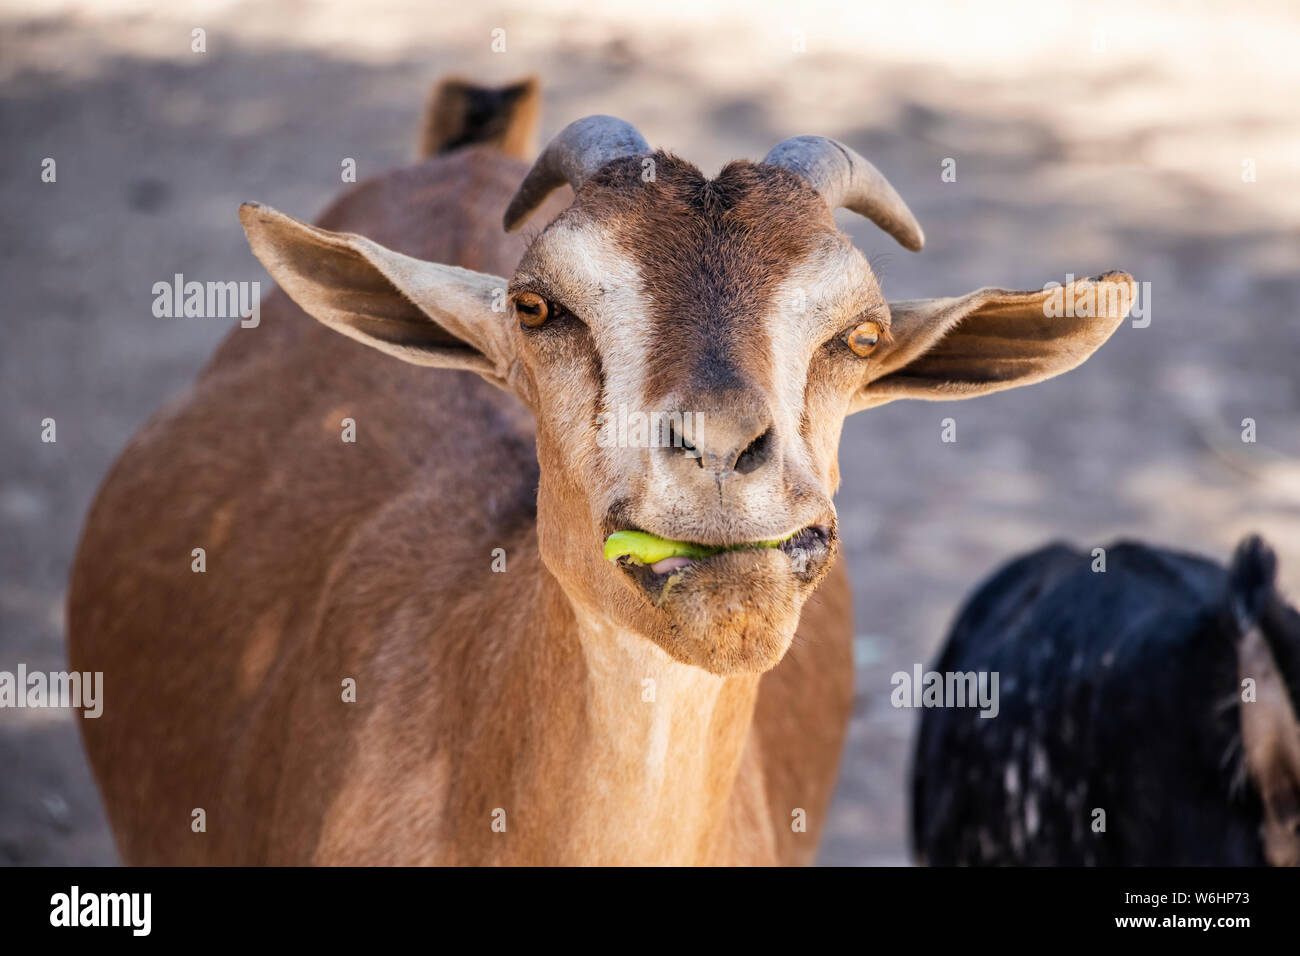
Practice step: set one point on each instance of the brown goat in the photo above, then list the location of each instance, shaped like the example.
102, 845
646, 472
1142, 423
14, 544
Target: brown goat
518, 697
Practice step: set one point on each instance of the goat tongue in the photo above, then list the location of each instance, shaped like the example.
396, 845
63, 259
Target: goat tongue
668, 565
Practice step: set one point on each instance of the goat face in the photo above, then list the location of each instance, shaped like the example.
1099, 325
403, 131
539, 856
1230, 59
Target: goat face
689, 349
691, 375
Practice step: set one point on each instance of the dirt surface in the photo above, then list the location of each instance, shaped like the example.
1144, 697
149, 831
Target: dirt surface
1085, 137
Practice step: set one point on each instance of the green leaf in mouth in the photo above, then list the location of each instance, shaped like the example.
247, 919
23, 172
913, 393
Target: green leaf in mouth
645, 548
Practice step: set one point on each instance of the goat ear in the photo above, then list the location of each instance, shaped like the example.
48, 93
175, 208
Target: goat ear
420, 312
1268, 654
1270, 738
993, 339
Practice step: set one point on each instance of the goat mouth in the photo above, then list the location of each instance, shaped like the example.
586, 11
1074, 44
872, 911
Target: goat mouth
659, 564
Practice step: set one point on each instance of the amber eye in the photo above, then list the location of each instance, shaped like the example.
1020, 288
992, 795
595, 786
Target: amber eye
864, 338
532, 309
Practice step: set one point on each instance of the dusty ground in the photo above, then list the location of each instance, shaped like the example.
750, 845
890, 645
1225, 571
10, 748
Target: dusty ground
1086, 138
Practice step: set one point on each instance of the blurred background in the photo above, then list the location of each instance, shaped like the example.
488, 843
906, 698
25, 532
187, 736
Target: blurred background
1156, 137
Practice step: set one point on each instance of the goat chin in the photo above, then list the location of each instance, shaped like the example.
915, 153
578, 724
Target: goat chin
734, 613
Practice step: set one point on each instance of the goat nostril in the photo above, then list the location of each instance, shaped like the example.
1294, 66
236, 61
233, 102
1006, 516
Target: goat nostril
678, 440
756, 455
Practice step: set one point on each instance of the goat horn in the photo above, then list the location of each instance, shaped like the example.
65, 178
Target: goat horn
846, 179
573, 157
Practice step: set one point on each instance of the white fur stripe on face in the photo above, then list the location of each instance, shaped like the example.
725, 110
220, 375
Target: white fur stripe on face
606, 290
812, 303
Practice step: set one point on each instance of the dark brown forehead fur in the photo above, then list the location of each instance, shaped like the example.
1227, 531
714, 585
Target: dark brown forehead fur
711, 253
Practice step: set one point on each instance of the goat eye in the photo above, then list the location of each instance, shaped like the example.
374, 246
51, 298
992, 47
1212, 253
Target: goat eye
863, 338
532, 308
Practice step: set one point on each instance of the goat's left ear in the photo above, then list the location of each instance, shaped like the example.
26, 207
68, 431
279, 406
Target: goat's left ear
417, 311
992, 339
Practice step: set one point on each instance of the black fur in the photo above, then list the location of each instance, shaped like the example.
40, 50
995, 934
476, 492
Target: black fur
1119, 692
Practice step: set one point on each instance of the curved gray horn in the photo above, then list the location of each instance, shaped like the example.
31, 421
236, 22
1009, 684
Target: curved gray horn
846, 179
572, 157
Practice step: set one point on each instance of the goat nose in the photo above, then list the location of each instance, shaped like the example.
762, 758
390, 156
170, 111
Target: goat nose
724, 442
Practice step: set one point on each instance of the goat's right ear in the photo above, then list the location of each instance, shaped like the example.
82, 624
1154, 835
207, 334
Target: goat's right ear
420, 312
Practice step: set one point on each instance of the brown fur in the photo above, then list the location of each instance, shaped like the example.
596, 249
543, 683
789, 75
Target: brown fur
713, 254
223, 688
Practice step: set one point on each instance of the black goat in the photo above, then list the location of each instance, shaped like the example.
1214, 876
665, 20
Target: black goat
1147, 716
